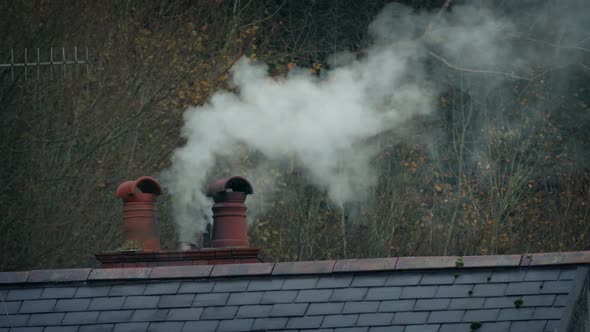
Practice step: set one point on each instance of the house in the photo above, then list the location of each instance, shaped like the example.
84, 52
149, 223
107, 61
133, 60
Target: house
232, 287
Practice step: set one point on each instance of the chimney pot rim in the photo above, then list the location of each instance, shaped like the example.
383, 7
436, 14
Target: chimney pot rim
224, 184
129, 188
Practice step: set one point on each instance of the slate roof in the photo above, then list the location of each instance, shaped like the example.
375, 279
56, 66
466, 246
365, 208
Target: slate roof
500, 293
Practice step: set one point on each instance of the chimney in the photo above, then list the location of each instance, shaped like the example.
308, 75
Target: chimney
139, 211
230, 228
229, 243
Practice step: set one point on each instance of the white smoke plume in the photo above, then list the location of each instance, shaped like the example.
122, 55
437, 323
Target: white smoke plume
327, 123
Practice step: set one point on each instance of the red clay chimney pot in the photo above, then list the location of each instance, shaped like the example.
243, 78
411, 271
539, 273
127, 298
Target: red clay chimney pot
230, 228
139, 198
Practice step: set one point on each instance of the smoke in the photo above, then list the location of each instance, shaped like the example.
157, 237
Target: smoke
327, 124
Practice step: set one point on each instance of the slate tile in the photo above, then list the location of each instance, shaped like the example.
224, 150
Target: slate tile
165, 327
395, 306
403, 279
23, 294
455, 291
263, 324
548, 313
416, 292
487, 290
130, 327
149, 315
552, 325
387, 329
483, 315
314, 295
501, 302
141, 302
446, 316
542, 274
58, 293
338, 281
84, 317
37, 306
230, 286
437, 278
538, 300
473, 277
405, 318
350, 329
72, 328
200, 326
162, 288
288, 309
235, 325
567, 274
300, 283
227, 312
524, 288
348, 294
456, 327
507, 276
114, 316
10, 307
562, 286
324, 308
107, 303
422, 328
183, 314
245, 298
374, 319
210, 299
15, 320
467, 303
93, 291
123, 290
339, 320
431, 304
196, 287
307, 322
271, 297
561, 300
254, 311
360, 307
495, 327
45, 319
26, 329
71, 305
265, 284
369, 280
527, 326
383, 293
97, 328
176, 301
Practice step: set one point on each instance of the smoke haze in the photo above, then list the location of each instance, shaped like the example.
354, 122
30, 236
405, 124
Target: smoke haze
327, 123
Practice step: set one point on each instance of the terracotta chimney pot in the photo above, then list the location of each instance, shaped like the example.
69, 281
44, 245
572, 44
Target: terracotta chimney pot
230, 228
139, 211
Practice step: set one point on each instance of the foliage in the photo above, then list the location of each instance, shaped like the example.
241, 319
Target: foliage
504, 174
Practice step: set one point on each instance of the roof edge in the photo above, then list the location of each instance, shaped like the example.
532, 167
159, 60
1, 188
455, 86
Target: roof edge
297, 268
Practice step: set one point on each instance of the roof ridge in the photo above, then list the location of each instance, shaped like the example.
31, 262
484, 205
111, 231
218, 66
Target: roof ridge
295, 268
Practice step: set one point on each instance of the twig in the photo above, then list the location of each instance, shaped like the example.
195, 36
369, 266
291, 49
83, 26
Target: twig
476, 71
442, 10
264, 19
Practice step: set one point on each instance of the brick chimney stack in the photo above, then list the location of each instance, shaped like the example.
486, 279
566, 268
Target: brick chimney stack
229, 243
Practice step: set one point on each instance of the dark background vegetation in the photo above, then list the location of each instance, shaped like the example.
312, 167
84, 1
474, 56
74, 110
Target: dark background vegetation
68, 142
